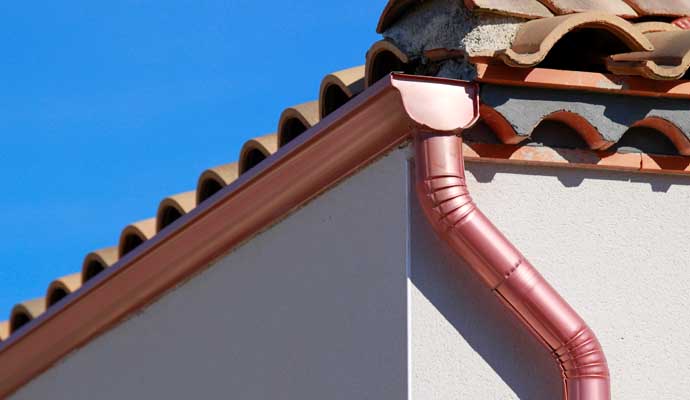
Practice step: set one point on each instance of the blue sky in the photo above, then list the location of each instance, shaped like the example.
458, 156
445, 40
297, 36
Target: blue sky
108, 107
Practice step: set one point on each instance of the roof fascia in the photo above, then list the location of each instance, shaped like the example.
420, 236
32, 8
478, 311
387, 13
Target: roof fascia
367, 127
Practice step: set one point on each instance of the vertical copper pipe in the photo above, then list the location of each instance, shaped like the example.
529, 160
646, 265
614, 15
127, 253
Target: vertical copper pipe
446, 201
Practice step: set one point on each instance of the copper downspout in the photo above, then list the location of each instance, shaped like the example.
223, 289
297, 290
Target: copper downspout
445, 199
367, 127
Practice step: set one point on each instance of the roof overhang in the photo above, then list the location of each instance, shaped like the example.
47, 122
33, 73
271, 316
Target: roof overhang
365, 128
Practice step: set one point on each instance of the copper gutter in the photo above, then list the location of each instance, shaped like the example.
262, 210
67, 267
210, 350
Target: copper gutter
444, 197
365, 128
368, 126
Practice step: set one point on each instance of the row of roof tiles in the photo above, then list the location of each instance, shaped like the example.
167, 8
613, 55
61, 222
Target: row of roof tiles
661, 137
657, 50
536, 9
336, 89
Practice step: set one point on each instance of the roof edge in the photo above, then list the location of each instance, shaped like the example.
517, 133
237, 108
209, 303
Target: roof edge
253, 202
393, 11
488, 72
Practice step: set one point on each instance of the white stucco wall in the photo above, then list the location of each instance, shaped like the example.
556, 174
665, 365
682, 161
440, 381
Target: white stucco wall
319, 306
313, 308
613, 244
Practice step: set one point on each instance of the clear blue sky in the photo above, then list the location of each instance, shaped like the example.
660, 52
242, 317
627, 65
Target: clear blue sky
108, 107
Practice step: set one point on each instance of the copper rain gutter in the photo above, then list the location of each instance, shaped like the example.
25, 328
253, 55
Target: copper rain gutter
396, 108
446, 202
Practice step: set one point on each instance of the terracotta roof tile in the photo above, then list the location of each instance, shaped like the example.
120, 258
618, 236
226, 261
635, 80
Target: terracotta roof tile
532, 44
296, 120
517, 8
534, 9
602, 120
530, 9
536, 38
25, 312
338, 88
673, 8
61, 287
669, 60
214, 179
394, 10
616, 7
97, 261
172, 208
580, 81
384, 57
350, 81
135, 234
656, 26
4, 330
256, 150
682, 23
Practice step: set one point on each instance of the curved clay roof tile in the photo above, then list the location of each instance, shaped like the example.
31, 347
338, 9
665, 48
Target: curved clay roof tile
602, 121
97, 261
665, 8
505, 131
500, 126
135, 234
669, 60
583, 127
296, 120
4, 330
529, 9
682, 23
214, 179
536, 38
172, 208
668, 129
396, 9
615, 7
383, 58
339, 87
656, 26
61, 287
25, 312
534, 9
256, 150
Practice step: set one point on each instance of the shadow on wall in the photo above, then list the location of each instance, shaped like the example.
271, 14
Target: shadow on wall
573, 177
477, 315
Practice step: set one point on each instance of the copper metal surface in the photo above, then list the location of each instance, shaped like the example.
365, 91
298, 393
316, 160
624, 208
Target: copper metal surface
365, 128
447, 204
350, 138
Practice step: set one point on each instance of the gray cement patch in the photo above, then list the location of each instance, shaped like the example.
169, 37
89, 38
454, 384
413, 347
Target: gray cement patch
610, 114
448, 24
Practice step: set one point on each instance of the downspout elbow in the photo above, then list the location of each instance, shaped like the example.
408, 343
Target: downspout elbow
445, 199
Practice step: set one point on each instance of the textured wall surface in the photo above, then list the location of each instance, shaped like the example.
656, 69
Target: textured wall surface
313, 308
448, 24
613, 244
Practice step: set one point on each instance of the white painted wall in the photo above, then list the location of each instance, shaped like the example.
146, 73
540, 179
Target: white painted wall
315, 307
614, 245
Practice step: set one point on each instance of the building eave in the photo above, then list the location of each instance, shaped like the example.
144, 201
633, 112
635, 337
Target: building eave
344, 142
